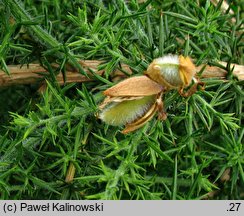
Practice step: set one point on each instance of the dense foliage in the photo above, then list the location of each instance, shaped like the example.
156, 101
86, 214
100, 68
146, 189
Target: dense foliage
52, 146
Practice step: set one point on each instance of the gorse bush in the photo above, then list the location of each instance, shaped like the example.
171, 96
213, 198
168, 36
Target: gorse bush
54, 146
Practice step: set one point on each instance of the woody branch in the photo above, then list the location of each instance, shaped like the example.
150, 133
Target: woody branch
32, 73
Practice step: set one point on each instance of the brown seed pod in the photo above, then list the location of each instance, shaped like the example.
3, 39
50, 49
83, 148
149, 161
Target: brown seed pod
134, 101
134, 86
171, 71
157, 106
187, 70
131, 102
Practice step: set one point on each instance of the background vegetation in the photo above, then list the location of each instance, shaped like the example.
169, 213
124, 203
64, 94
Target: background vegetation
52, 146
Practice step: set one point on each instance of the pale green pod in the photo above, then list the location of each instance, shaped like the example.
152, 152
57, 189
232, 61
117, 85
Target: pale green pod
172, 71
134, 101
127, 111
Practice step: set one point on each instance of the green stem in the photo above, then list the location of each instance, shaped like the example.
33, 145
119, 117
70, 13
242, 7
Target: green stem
174, 189
168, 181
111, 188
48, 40
21, 15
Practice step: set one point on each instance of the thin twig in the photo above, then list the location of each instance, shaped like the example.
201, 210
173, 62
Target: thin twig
32, 73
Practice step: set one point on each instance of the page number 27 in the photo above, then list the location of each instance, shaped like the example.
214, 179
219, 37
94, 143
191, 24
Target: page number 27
234, 206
